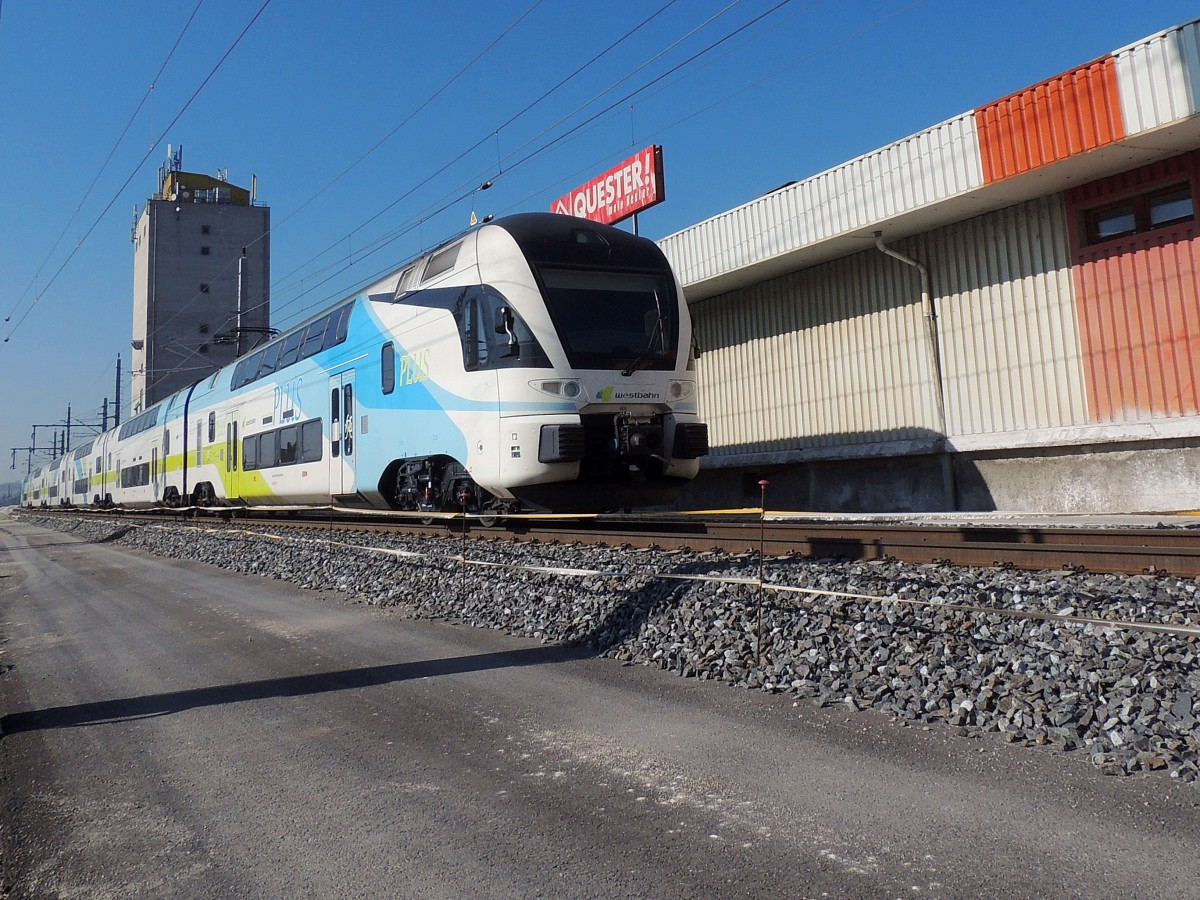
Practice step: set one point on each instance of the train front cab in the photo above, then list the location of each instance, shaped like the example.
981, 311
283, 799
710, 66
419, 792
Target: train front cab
620, 427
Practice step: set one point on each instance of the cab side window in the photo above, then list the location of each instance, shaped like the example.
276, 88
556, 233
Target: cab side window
493, 335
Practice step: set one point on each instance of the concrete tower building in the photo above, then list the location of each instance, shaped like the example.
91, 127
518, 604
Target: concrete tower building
201, 280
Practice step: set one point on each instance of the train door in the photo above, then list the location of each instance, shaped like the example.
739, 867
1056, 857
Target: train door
232, 455
155, 483
158, 464
343, 437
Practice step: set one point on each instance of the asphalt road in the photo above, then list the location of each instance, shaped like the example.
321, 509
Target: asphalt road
175, 730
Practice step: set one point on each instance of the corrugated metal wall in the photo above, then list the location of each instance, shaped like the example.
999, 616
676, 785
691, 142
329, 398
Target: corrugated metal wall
834, 357
1007, 320
1138, 303
1160, 78
830, 357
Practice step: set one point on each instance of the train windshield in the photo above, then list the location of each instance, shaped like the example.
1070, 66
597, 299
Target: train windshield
613, 320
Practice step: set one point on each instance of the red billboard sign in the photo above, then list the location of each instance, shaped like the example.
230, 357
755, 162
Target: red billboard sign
625, 189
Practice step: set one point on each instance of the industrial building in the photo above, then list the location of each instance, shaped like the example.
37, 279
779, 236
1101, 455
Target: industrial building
999, 312
201, 286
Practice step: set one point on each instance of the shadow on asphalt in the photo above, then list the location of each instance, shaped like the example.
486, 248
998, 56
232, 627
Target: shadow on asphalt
112, 711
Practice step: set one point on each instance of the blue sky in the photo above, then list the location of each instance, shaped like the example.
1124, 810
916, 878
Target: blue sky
421, 102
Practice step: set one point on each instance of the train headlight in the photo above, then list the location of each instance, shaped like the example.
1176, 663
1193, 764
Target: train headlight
681, 390
569, 388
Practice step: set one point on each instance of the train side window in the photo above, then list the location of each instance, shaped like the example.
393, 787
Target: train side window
252, 364
335, 422
212, 427
314, 338
270, 356
404, 278
336, 332
474, 338
291, 350
250, 453
289, 445
493, 334
442, 261
511, 341
199, 442
166, 442
387, 365
343, 324
310, 441
348, 417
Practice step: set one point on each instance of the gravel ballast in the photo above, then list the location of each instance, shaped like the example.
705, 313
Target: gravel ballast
1126, 697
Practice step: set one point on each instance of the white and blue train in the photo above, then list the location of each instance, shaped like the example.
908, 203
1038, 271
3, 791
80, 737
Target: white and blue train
537, 362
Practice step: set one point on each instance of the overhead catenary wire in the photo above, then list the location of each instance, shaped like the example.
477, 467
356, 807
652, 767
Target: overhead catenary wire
462, 155
157, 142
79, 244
463, 186
364, 251
379, 143
394, 236
104, 165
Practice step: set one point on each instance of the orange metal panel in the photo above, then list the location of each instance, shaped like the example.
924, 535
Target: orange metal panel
1068, 114
1139, 304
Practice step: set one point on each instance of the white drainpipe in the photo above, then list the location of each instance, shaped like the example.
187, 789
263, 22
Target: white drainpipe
933, 348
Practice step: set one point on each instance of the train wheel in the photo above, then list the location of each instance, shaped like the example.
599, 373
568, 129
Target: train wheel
492, 515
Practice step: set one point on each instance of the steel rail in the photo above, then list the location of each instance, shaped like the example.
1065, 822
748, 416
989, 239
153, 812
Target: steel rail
1122, 550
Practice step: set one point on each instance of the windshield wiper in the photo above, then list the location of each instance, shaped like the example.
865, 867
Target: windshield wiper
656, 331
641, 357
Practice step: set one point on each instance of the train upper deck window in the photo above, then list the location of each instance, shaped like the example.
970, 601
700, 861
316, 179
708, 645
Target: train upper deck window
139, 423
314, 338
402, 281
327, 331
343, 325
270, 356
291, 349
442, 261
1134, 215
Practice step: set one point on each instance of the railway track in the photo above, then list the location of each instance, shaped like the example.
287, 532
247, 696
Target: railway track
1118, 549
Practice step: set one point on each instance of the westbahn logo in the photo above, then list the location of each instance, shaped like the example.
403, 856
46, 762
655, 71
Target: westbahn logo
610, 394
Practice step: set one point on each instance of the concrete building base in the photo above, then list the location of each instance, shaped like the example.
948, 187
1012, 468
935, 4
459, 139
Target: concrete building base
1123, 478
